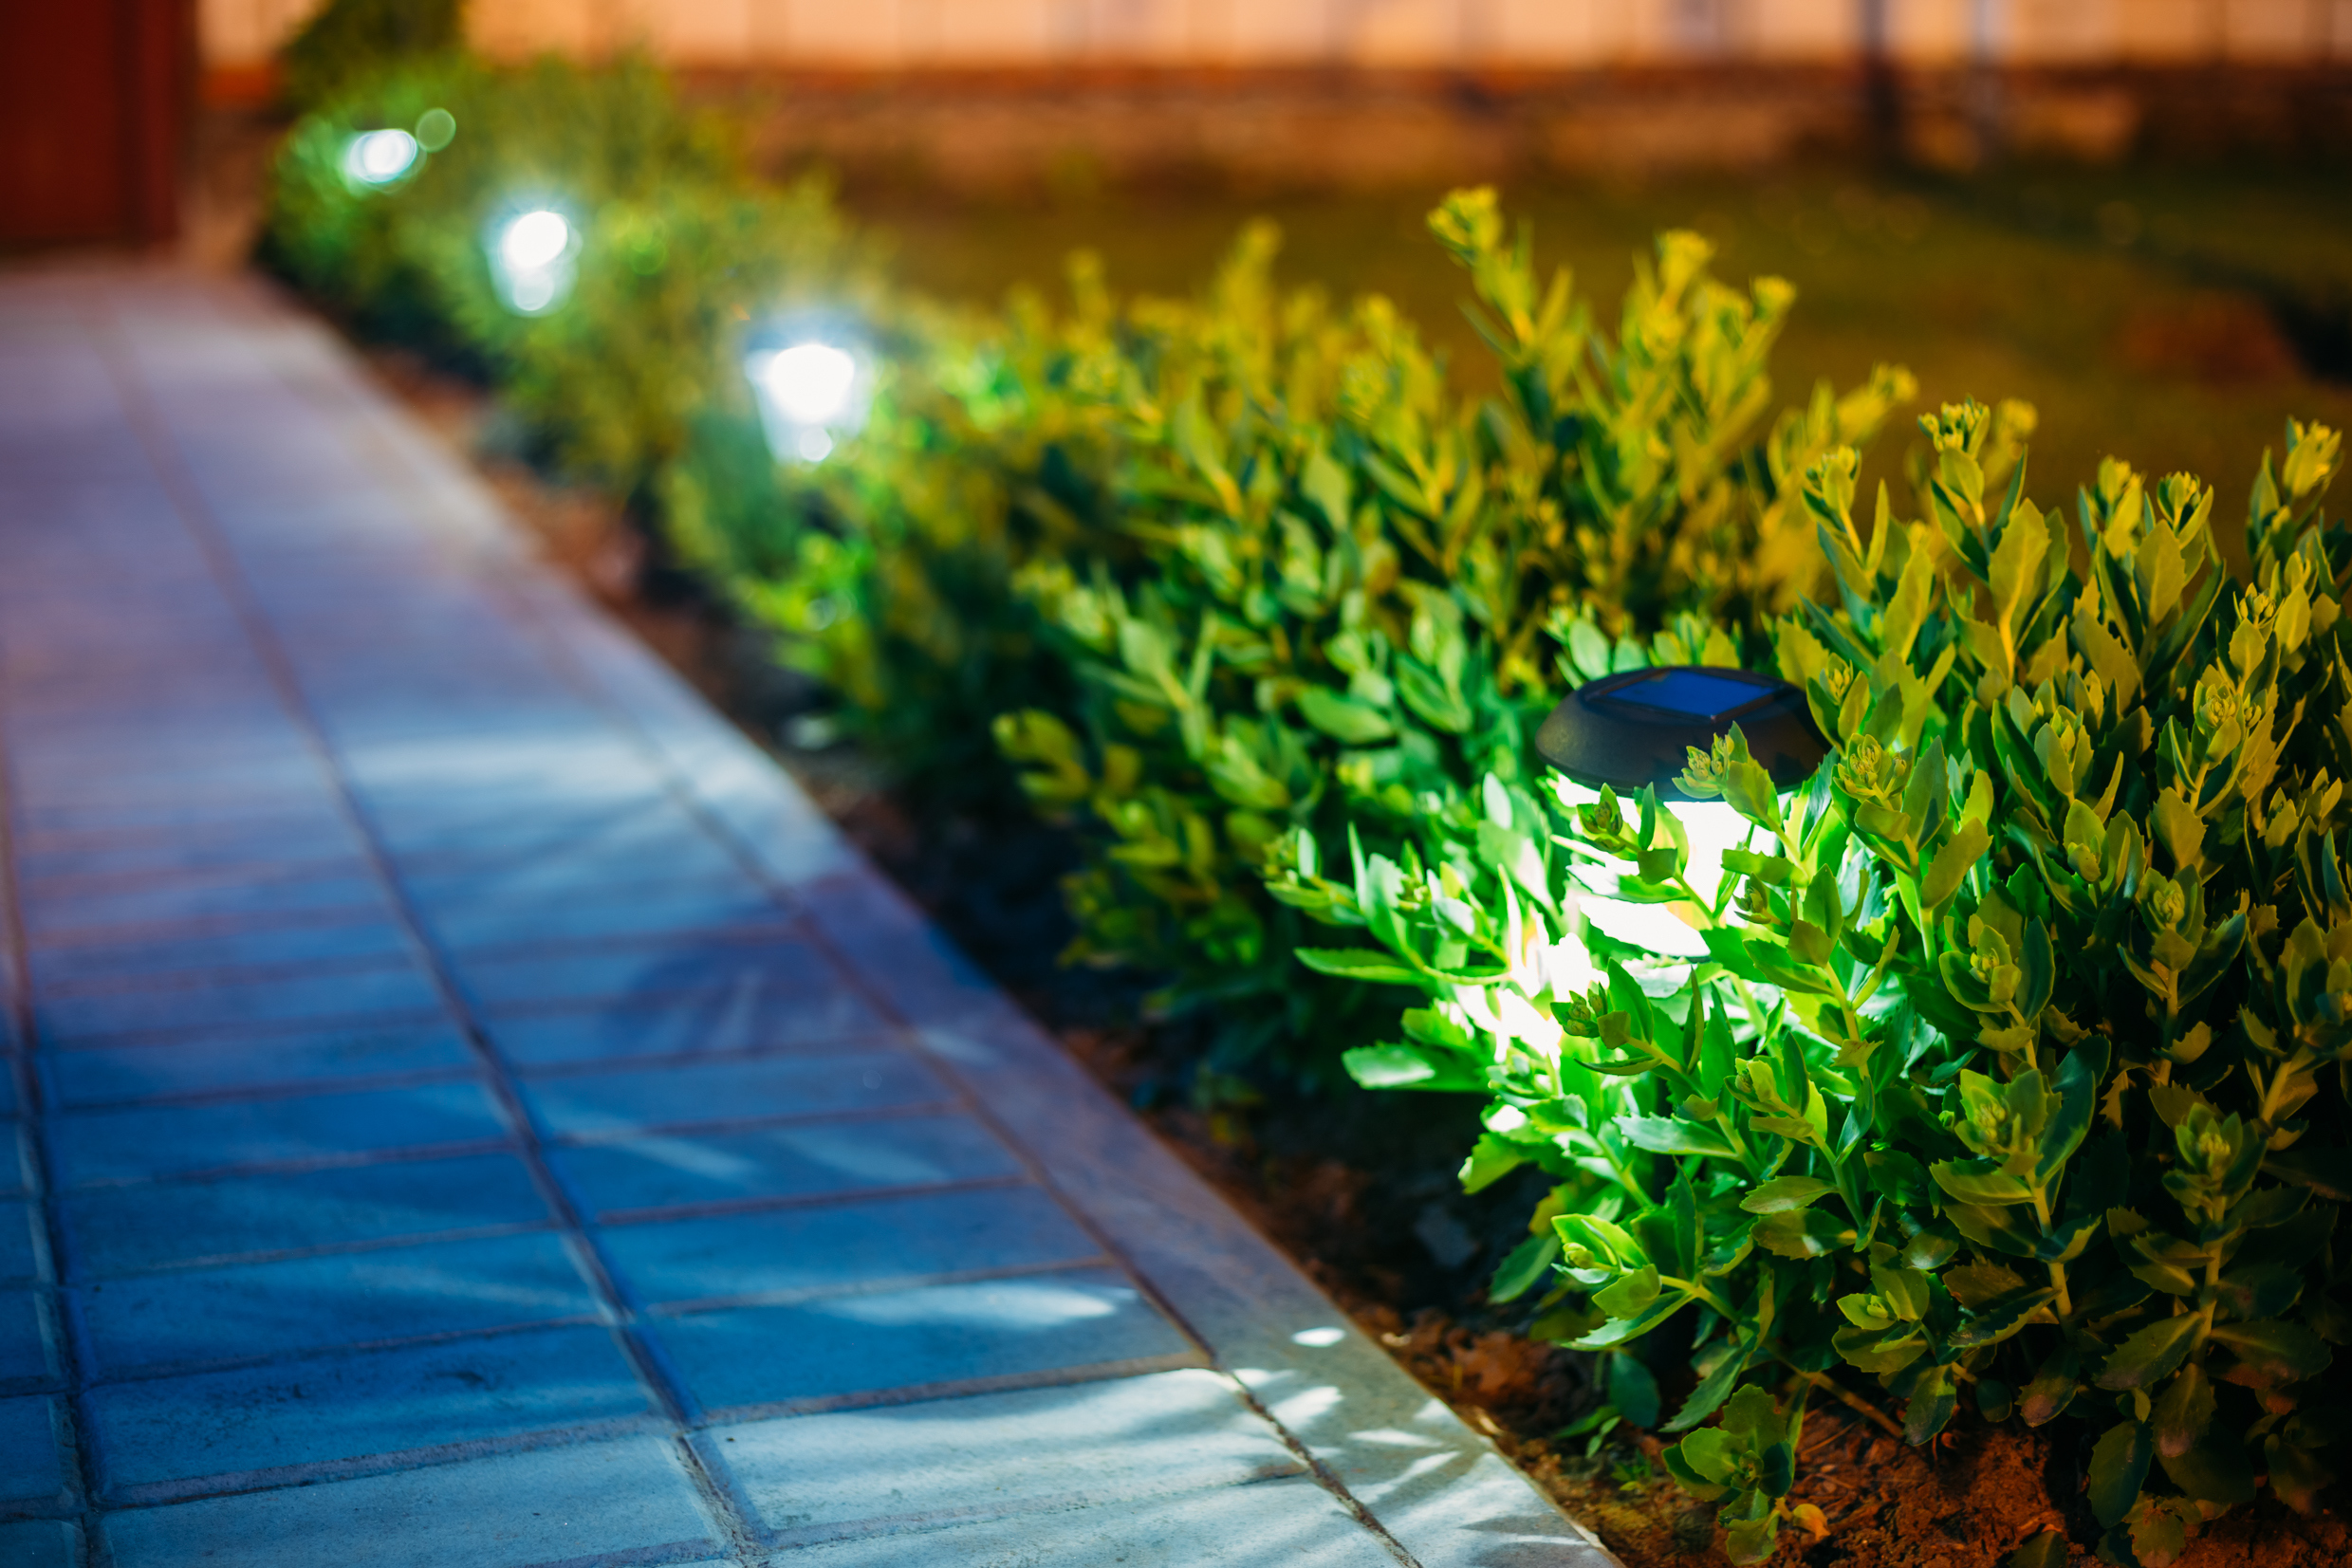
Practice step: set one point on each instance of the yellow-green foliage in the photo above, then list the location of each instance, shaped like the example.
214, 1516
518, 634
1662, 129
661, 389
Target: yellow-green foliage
2008, 1059
681, 246
1356, 586
347, 41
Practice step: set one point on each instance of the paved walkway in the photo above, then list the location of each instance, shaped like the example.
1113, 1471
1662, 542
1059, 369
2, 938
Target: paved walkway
474, 1111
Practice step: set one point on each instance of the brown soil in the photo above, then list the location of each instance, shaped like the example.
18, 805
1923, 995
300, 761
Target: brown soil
1966, 1502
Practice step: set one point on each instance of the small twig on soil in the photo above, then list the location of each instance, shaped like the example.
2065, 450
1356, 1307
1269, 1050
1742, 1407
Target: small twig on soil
1820, 1435
1852, 1401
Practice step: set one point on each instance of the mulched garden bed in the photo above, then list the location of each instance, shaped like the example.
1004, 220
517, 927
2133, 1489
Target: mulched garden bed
1359, 1189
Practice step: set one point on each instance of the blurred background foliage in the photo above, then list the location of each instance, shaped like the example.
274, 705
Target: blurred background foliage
2170, 315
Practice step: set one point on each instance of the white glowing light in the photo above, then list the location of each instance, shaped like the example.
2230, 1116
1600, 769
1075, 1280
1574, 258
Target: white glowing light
534, 242
533, 292
531, 258
379, 157
811, 382
1711, 827
1318, 1338
809, 394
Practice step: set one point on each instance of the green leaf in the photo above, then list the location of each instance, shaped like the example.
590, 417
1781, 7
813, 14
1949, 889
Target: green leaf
2047, 1550
1907, 1292
2052, 1388
2075, 1100
2120, 1462
2260, 1289
1929, 1410
1630, 1293
1369, 966
2183, 1411
2275, 1350
1753, 1415
2158, 1532
1776, 1470
1801, 1233
2181, 829
2214, 1469
1981, 1182
1523, 1268
2164, 1263
1588, 650
2002, 1229
2151, 1354
1898, 1176
1772, 870
1427, 696
1633, 1391
1325, 483
1878, 1351
1748, 789
1714, 1388
1491, 1158
1689, 1477
2001, 1317
1966, 846
1783, 1193
1752, 1541
2296, 1474
1980, 1283
1672, 1135
1344, 719
1410, 1067
1710, 1454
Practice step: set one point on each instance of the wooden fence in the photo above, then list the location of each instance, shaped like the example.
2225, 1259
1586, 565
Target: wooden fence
1477, 35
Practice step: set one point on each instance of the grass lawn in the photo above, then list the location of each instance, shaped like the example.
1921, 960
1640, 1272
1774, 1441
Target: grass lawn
2127, 305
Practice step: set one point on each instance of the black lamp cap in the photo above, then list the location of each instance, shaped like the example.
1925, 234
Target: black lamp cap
1634, 729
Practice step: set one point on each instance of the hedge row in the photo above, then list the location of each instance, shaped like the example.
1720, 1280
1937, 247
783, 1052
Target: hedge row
2005, 1060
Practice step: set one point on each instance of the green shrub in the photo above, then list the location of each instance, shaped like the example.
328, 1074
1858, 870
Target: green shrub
347, 41
887, 571
2007, 1057
1356, 585
680, 246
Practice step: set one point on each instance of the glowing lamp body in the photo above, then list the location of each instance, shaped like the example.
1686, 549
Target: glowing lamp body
531, 258
1634, 730
808, 392
377, 158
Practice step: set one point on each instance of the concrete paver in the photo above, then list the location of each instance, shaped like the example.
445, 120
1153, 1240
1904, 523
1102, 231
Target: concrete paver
467, 1107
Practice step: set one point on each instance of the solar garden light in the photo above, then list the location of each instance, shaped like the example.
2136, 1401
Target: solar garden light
374, 160
532, 254
1634, 729
812, 383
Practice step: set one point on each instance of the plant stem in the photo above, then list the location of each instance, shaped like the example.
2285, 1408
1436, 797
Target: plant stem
1701, 1293
1851, 1400
2058, 1271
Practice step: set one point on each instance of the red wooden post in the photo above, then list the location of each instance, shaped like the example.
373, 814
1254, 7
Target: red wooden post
94, 105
